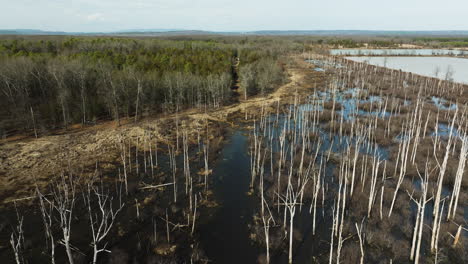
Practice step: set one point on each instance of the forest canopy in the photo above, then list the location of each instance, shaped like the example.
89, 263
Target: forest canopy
54, 82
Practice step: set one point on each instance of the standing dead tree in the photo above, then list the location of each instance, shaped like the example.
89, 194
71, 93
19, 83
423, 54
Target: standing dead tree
267, 219
123, 155
17, 239
47, 212
102, 215
256, 156
340, 215
402, 158
452, 209
373, 191
442, 168
64, 198
206, 147
361, 246
313, 205
403, 151
173, 165
419, 224
291, 200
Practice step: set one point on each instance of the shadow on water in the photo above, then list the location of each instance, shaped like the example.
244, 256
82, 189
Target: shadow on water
226, 236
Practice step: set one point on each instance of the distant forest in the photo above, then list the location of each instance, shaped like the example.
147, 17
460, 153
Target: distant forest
53, 82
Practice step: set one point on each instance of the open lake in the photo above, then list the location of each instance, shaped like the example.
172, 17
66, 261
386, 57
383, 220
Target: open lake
397, 52
427, 66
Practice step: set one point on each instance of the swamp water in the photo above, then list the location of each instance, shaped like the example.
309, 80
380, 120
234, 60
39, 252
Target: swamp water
224, 232
226, 236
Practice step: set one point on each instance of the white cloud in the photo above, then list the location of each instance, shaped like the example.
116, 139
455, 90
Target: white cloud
95, 17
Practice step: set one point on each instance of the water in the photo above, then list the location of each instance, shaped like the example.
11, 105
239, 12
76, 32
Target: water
443, 104
454, 69
348, 104
401, 52
324, 64
226, 235
443, 130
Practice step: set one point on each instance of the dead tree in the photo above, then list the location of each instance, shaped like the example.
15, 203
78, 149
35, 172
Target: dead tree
17, 239
194, 216
419, 224
137, 104
47, 218
64, 199
173, 165
102, 215
452, 210
123, 155
266, 219
442, 167
206, 147
361, 246
373, 191
290, 200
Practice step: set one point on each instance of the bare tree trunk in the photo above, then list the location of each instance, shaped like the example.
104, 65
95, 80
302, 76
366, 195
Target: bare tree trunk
359, 232
34, 121
137, 99
452, 210
17, 239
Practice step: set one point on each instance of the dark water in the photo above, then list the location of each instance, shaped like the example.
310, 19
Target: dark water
226, 236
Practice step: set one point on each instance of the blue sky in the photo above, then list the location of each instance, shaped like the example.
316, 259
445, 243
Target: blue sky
233, 15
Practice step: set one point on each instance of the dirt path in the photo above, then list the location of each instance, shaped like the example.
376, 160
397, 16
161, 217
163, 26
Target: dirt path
24, 162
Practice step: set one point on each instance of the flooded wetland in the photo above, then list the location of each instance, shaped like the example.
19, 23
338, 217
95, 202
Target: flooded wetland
233, 132
353, 160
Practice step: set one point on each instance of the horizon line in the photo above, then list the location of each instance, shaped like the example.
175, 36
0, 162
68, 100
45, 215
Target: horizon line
163, 30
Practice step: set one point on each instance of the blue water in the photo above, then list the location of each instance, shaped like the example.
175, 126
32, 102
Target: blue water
441, 103
443, 130
349, 102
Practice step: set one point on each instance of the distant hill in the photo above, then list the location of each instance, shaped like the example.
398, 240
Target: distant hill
149, 30
182, 32
358, 33
164, 33
30, 32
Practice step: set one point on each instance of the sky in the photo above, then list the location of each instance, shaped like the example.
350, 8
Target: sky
233, 15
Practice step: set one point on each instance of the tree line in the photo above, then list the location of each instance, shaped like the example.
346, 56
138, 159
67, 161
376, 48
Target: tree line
55, 82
